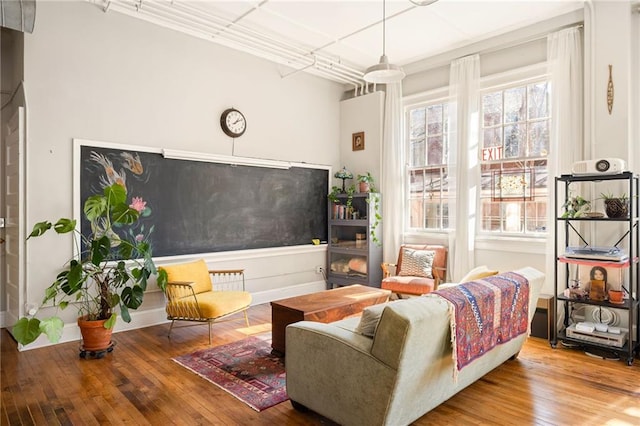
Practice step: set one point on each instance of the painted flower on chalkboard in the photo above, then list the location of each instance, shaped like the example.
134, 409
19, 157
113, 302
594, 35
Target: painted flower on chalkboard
138, 204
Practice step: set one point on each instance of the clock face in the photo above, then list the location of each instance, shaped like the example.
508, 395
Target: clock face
233, 122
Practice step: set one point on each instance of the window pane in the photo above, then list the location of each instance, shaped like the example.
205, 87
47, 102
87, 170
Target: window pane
492, 109
492, 137
539, 139
435, 119
416, 184
416, 214
435, 150
538, 100
514, 141
418, 152
514, 105
417, 123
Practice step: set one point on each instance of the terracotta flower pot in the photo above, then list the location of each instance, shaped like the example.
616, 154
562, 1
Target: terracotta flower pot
94, 336
616, 296
364, 186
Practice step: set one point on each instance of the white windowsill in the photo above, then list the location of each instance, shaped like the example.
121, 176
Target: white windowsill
485, 242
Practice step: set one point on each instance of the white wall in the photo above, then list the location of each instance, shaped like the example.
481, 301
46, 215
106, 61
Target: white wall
108, 77
362, 114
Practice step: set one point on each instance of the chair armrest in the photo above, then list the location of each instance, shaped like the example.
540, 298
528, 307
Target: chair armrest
439, 274
182, 302
386, 273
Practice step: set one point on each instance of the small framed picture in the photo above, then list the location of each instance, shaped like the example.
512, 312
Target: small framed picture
357, 141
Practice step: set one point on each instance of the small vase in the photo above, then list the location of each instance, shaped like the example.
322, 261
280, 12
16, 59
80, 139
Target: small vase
364, 186
94, 336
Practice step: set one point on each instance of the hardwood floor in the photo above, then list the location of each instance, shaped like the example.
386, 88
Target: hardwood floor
138, 383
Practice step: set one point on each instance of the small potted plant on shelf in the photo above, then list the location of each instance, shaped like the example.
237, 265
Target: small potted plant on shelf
576, 207
366, 183
108, 271
615, 206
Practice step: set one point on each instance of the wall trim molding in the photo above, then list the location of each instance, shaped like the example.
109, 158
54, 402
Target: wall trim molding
157, 316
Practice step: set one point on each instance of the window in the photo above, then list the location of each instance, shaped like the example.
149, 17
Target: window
514, 144
513, 158
427, 171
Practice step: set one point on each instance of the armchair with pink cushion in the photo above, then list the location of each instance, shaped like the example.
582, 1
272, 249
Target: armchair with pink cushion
420, 268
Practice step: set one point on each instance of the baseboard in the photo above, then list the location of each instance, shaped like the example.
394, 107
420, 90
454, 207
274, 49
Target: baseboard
141, 319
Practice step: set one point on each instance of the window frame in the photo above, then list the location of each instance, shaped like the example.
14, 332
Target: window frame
431, 97
499, 81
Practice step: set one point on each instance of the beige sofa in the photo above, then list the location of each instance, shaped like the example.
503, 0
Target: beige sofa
403, 371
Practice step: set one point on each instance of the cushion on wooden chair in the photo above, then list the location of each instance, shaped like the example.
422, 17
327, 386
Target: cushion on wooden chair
215, 304
420, 268
195, 272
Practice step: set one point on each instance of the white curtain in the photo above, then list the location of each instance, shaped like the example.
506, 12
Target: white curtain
566, 142
393, 161
464, 172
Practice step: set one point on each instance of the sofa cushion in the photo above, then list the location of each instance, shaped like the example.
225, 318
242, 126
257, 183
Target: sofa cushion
370, 319
416, 263
478, 273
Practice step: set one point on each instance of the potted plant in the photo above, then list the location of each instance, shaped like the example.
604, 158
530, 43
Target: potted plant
615, 206
108, 271
576, 207
366, 183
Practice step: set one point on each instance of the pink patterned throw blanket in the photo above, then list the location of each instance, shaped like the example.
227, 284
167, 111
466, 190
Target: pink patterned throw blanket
486, 313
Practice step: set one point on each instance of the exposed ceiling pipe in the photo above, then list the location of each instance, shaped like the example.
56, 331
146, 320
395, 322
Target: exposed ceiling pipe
202, 24
318, 57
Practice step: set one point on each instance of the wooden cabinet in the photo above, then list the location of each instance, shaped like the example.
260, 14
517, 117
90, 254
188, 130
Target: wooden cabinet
586, 270
354, 254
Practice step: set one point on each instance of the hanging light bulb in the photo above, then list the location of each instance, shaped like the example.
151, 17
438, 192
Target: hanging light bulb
384, 72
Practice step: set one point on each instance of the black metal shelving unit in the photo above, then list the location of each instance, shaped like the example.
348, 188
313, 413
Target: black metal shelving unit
630, 239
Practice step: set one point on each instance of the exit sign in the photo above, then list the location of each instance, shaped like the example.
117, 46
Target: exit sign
493, 153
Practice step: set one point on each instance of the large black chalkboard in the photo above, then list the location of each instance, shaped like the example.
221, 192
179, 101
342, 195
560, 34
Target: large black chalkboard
201, 207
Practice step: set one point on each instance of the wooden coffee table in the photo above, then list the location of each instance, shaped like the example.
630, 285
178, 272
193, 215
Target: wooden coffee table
324, 306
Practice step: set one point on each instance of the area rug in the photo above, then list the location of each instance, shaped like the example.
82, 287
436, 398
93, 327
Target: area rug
245, 369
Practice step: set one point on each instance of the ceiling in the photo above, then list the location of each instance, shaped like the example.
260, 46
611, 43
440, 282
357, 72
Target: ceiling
338, 40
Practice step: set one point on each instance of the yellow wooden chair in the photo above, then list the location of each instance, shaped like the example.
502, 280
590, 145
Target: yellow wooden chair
195, 293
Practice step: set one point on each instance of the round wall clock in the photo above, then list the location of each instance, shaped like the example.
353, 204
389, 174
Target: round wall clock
233, 122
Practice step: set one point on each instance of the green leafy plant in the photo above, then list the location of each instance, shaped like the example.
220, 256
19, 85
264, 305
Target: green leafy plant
377, 218
576, 207
333, 195
110, 268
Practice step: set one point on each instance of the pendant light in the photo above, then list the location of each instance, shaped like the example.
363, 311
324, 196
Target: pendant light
422, 2
384, 72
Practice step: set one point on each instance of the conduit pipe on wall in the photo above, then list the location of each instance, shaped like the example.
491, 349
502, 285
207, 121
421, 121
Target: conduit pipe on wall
202, 24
